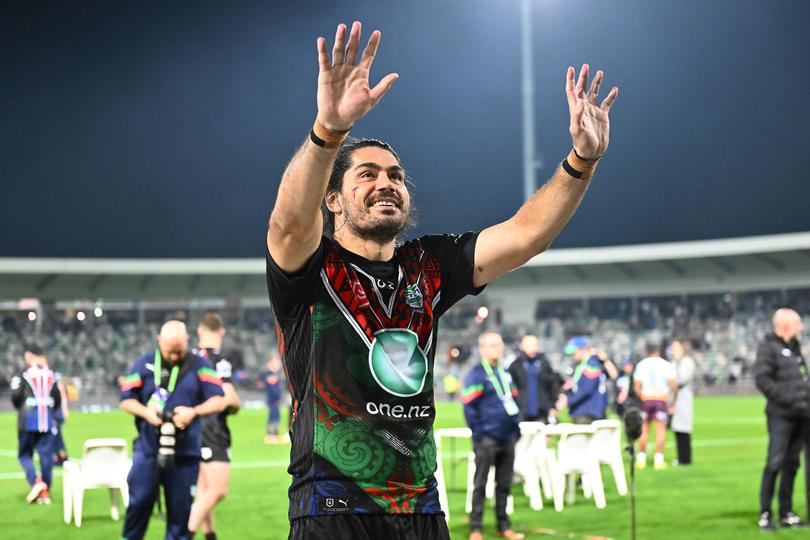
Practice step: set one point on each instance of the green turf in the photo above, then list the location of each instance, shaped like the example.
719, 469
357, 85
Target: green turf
716, 498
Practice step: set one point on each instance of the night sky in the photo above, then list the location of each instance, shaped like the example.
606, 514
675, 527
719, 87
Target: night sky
160, 129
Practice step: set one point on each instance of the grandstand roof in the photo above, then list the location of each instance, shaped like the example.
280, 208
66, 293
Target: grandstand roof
747, 263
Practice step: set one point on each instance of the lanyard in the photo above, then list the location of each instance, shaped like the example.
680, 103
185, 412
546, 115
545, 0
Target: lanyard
500, 389
172, 376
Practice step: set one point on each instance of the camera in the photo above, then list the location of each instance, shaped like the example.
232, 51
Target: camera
167, 440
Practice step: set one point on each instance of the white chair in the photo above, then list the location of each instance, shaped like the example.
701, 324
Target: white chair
441, 487
104, 464
606, 446
574, 458
527, 464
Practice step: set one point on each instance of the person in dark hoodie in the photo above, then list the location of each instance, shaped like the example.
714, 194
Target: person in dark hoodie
493, 416
537, 383
780, 373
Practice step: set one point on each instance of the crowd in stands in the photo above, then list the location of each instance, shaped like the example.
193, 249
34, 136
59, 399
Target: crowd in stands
723, 330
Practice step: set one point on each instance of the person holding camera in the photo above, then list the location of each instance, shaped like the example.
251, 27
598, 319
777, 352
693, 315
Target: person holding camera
167, 391
588, 396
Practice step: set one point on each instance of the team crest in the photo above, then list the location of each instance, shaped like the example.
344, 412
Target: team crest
413, 296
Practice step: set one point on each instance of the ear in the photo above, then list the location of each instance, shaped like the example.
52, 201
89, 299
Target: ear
332, 202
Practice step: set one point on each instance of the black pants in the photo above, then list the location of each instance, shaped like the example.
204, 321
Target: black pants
785, 437
489, 452
370, 527
684, 443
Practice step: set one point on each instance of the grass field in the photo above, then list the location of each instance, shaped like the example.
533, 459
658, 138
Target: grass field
716, 498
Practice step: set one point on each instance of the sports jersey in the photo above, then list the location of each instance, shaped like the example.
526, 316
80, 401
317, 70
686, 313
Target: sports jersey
36, 397
589, 394
357, 340
654, 374
215, 430
196, 383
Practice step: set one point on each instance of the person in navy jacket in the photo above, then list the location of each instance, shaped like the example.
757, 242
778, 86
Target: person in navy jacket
173, 384
493, 416
588, 397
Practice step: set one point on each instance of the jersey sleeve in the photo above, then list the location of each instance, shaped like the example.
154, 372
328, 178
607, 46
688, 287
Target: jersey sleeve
290, 293
224, 370
210, 384
456, 255
132, 385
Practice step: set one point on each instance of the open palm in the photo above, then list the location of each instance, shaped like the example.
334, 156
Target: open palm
344, 93
590, 123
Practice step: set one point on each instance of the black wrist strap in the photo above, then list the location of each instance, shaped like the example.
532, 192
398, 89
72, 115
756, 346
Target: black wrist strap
316, 140
570, 170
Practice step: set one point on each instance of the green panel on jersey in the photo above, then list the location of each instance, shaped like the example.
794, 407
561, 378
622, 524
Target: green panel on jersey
396, 362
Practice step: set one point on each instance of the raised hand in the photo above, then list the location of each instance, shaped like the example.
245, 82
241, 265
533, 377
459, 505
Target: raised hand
344, 93
590, 124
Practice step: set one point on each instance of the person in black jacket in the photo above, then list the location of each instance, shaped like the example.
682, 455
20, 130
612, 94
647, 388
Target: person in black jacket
537, 383
780, 373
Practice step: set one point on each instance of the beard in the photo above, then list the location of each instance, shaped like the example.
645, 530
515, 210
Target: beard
380, 229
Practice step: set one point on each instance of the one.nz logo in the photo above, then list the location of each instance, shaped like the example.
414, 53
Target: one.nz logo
413, 296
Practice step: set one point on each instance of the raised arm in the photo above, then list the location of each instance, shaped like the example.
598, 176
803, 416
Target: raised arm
344, 97
507, 245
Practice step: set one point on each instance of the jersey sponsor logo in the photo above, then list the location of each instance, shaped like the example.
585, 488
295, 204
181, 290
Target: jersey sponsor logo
398, 411
397, 363
413, 296
336, 504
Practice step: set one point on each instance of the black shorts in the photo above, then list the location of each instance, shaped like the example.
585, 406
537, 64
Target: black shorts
370, 527
215, 452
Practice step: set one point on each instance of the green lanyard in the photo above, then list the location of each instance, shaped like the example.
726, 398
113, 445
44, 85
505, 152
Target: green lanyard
172, 375
500, 390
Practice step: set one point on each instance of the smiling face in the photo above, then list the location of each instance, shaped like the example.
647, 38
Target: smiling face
373, 202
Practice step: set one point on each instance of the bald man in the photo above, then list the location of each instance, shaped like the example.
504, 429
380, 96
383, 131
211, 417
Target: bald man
780, 372
167, 391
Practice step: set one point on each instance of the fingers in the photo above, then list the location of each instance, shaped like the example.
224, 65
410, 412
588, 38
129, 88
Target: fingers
382, 87
607, 103
323, 57
593, 93
569, 86
354, 43
371, 49
339, 50
579, 89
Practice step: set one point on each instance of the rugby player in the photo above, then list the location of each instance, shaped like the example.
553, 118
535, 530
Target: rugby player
215, 465
357, 312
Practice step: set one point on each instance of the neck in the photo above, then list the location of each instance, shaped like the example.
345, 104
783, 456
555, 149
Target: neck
373, 250
491, 361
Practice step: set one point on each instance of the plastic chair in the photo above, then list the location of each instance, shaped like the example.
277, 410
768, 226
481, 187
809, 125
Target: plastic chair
104, 464
439, 475
527, 465
606, 446
574, 458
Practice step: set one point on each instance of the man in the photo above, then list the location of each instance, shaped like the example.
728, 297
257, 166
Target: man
656, 383
215, 467
272, 394
588, 397
626, 396
357, 313
780, 373
36, 397
493, 417
682, 417
537, 383
167, 390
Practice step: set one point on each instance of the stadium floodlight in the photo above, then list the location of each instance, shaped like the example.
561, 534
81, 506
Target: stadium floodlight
98, 312
80, 316
32, 316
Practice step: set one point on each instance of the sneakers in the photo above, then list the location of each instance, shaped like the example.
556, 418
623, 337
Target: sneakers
509, 534
641, 460
44, 497
792, 521
765, 522
38, 487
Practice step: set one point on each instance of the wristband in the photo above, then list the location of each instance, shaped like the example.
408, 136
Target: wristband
327, 138
578, 167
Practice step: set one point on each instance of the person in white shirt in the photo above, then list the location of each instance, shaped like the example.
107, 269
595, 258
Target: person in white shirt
682, 417
656, 383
